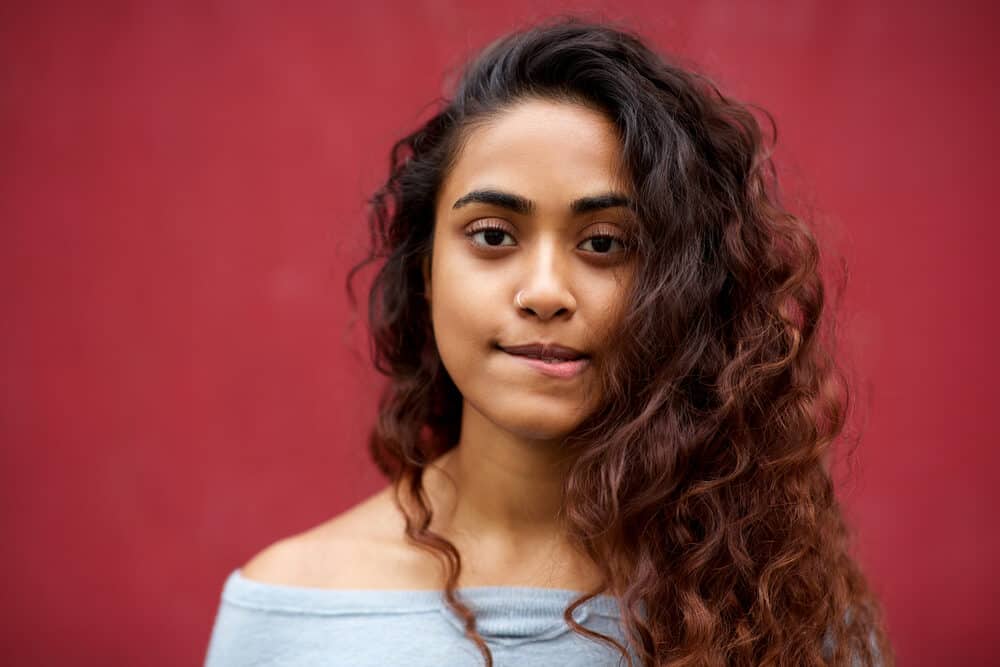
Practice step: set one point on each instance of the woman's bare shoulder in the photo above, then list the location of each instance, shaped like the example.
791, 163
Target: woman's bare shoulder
363, 547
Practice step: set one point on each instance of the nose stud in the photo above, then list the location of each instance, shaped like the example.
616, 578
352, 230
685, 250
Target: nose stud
517, 299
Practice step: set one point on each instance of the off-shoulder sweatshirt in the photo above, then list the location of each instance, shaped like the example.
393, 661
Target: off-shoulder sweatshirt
269, 624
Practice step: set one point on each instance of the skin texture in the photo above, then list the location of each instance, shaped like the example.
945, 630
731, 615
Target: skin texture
496, 495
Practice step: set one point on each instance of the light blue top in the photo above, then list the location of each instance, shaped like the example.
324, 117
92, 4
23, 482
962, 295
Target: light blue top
268, 624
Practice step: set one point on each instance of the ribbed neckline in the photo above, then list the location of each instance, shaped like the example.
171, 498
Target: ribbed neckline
504, 614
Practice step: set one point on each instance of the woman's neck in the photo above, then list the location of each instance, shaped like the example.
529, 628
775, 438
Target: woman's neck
497, 498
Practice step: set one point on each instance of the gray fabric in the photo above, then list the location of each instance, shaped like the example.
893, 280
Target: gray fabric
262, 625
266, 624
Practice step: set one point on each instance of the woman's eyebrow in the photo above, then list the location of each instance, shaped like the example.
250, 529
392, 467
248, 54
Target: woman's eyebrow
524, 206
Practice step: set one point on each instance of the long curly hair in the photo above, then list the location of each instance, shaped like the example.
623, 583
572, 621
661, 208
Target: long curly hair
701, 486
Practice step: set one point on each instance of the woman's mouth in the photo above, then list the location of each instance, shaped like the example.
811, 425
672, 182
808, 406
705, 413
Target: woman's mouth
557, 368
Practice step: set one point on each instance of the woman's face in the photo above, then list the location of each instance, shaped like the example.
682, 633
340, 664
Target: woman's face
532, 206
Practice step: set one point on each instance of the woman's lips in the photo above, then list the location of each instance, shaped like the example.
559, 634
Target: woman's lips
557, 369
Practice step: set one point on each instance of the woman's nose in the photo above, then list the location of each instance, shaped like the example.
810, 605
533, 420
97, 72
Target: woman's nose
546, 289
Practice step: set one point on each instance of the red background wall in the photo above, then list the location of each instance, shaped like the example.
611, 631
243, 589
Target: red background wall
182, 189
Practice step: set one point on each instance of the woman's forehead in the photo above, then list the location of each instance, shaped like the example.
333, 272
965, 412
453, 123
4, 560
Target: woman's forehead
550, 152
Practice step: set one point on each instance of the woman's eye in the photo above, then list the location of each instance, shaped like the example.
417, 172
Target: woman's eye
492, 236
602, 242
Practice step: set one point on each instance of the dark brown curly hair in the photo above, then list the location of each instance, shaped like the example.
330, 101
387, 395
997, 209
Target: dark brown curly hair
701, 486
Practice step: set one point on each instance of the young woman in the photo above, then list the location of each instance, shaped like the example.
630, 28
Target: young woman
611, 400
